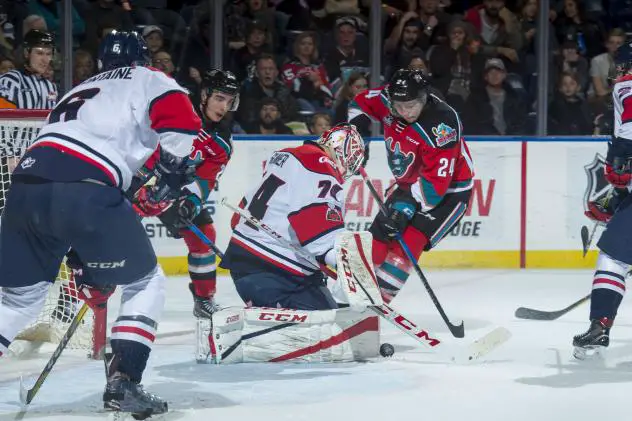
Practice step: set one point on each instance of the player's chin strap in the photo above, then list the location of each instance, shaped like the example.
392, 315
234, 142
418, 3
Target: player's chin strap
479, 348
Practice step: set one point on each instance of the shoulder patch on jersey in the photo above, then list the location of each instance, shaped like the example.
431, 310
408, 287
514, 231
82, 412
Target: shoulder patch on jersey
444, 134
279, 158
398, 161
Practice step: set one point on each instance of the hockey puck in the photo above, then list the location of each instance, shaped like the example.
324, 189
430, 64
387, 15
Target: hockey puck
386, 350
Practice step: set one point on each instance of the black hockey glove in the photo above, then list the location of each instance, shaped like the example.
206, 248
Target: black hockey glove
402, 210
188, 207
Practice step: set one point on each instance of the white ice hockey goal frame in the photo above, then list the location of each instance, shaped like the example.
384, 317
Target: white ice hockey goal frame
18, 130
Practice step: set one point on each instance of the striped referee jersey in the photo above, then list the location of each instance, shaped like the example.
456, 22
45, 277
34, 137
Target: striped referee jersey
25, 90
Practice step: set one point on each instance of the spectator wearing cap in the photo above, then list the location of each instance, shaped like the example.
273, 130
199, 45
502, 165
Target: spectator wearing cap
52, 12
153, 36
101, 14
306, 77
434, 22
346, 52
498, 29
602, 66
265, 84
402, 42
495, 109
268, 120
242, 60
453, 67
570, 61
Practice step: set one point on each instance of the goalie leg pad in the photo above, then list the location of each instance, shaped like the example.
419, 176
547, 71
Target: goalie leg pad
280, 335
134, 331
19, 307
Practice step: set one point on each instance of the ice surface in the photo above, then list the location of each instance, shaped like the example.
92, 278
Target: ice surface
532, 377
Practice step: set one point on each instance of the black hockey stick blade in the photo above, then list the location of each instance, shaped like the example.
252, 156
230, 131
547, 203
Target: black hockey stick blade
26, 394
585, 239
533, 314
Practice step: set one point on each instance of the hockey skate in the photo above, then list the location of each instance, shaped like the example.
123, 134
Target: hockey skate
125, 396
594, 340
203, 307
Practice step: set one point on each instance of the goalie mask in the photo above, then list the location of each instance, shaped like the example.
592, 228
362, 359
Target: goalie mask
346, 147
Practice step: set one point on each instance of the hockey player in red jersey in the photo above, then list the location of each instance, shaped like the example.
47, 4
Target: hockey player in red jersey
432, 167
300, 197
615, 255
212, 151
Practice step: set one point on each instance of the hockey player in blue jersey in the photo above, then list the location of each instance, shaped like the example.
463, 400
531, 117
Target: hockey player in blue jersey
68, 192
615, 256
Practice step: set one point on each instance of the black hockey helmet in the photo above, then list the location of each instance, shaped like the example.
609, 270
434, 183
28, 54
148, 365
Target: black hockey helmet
407, 85
122, 49
217, 80
37, 38
623, 60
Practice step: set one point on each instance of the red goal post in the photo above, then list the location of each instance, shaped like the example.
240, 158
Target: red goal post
18, 130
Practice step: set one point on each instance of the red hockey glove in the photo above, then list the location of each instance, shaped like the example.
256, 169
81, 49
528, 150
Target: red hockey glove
618, 179
598, 212
95, 297
145, 206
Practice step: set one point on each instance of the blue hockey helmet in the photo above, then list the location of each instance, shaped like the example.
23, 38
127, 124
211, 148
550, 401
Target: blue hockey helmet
122, 49
623, 60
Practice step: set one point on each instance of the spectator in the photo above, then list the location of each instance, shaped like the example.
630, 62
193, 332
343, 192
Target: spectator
155, 12
320, 123
83, 66
417, 62
265, 84
34, 22
498, 29
268, 119
589, 34
153, 37
356, 83
346, 54
434, 22
454, 69
306, 76
195, 57
258, 10
101, 14
602, 66
162, 61
6, 65
402, 42
570, 61
243, 58
495, 109
17, 12
52, 12
568, 112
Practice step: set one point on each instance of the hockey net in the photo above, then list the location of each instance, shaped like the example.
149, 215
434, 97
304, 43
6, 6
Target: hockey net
18, 130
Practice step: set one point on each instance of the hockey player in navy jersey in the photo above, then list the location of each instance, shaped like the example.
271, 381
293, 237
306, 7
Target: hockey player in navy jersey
68, 192
300, 196
615, 256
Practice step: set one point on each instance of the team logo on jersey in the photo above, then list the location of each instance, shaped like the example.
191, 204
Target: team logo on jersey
27, 163
444, 134
597, 187
333, 214
398, 161
388, 120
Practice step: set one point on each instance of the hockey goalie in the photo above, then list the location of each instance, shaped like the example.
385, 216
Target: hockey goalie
290, 231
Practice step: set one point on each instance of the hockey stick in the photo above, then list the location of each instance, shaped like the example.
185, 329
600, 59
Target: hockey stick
477, 349
533, 314
458, 331
27, 395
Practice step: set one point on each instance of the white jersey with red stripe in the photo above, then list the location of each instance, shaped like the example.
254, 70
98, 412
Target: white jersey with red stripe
299, 197
622, 100
106, 127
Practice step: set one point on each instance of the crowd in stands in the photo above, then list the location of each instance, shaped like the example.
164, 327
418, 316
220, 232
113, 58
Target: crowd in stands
302, 61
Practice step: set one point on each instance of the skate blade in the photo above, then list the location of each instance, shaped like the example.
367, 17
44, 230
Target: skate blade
584, 354
128, 416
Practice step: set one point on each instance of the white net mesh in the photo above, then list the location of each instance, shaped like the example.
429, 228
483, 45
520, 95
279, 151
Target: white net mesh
18, 129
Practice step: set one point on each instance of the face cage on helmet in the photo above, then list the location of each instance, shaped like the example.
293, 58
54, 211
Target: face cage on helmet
349, 154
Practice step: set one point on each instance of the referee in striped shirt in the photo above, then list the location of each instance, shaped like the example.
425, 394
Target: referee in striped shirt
28, 88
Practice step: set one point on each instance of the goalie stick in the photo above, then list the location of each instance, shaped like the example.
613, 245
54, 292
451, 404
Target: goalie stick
479, 348
458, 331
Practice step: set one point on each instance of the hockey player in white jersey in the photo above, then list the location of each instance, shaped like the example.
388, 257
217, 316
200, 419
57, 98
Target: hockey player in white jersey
67, 192
301, 197
615, 256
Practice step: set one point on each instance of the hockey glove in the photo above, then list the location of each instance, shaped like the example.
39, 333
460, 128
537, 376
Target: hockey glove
188, 208
402, 212
95, 297
146, 205
619, 177
599, 212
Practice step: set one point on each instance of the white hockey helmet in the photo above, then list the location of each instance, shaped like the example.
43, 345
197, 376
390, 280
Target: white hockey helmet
345, 146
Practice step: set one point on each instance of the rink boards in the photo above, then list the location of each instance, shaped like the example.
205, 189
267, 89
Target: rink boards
526, 209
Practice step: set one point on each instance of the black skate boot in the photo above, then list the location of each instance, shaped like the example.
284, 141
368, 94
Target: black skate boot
594, 340
66, 308
123, 395
203, 308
